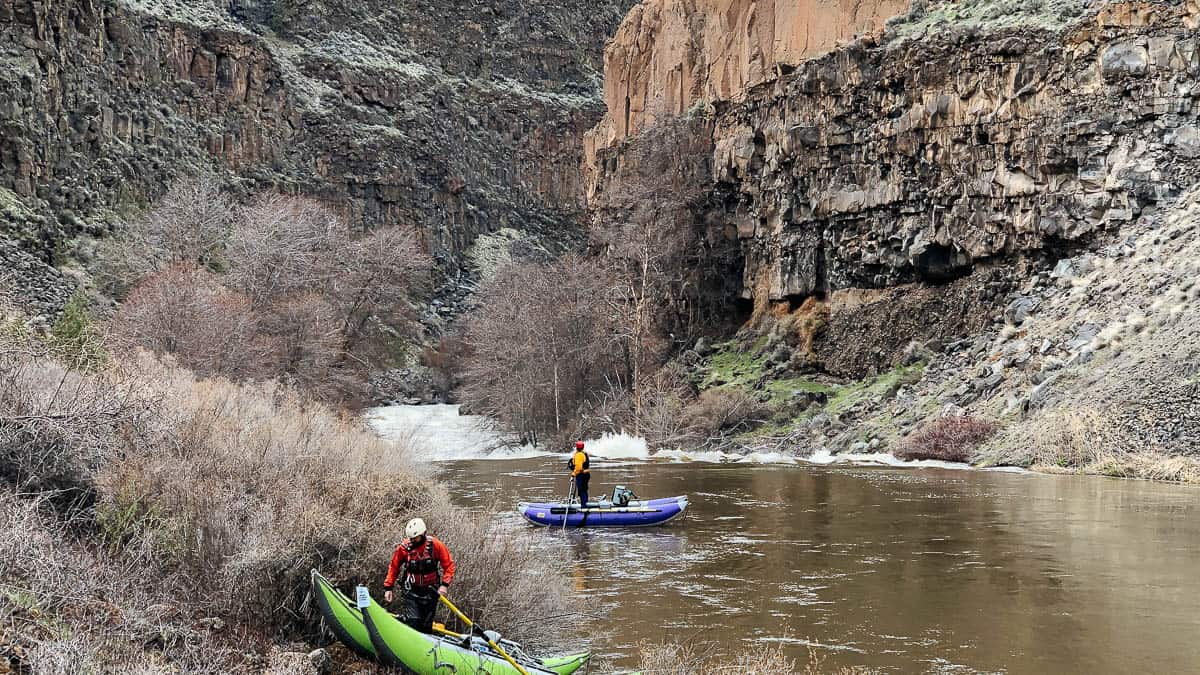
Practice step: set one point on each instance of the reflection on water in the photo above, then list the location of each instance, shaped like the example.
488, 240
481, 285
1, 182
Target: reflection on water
909, 571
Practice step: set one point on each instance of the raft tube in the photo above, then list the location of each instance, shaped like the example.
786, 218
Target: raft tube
378, 635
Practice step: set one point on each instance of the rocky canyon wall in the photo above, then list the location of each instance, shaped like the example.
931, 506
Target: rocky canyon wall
669, 55
916, 160
898, 160
456, 118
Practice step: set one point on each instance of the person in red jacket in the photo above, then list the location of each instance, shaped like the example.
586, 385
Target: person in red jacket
428, 571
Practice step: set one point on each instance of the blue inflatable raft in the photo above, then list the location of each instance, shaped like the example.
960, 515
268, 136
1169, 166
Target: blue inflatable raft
635, 513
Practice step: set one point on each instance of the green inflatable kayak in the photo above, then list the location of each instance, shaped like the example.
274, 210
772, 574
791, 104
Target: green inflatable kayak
377, 635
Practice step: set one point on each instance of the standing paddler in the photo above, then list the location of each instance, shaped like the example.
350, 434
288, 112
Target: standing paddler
580, 473
428, 571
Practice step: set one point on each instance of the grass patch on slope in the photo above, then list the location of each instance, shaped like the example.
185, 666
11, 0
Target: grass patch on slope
883, 385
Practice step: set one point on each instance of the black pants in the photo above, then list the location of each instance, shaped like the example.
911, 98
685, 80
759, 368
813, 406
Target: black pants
420, 603
581, 487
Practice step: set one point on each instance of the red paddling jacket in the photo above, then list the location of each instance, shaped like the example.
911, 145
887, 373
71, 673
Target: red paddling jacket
421, 564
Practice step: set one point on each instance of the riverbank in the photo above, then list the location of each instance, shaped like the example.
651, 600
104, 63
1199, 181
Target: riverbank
153, 520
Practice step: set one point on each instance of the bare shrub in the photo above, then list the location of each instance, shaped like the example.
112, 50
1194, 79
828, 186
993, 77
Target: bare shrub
334, 300
445, 361
282, 247
305, 334
184, 311
281, 288
725, 410
189, 224
378, 272
250, 486
228, 494
952, 439
70, 610
58, 426
664, 418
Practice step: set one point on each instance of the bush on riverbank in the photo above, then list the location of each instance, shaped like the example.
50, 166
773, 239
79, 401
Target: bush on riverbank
155, 518
951, 439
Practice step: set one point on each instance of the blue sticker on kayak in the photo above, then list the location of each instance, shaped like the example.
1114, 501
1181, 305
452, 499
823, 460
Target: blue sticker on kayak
363, 596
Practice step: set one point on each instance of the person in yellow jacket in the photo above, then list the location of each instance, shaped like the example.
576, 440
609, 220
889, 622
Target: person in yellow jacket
580, 473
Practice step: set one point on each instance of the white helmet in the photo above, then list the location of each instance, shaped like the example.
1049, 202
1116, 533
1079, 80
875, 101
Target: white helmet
415, 528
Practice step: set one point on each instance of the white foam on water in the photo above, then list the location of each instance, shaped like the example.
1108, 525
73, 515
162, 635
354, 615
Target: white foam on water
618, 446
767, 458
439, 433
824, 457
1006, 469
679, 455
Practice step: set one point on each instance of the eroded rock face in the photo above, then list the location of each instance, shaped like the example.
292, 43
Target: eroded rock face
457, 118
887, 163
669, 55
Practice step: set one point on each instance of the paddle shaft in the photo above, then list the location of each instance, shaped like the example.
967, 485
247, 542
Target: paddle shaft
471, 626
570, 496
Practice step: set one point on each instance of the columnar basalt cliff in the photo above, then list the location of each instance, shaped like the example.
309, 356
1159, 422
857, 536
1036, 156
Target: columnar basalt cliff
894, 161
860, 170
669, 55
988, 210
457, 119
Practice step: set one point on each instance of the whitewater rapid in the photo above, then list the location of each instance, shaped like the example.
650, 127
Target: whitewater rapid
439, 433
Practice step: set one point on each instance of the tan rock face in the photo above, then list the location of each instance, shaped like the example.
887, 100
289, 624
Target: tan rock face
669, 55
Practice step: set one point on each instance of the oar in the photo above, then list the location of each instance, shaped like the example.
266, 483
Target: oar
570, 497
471, 626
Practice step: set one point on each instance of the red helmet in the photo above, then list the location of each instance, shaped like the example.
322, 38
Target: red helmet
578, 445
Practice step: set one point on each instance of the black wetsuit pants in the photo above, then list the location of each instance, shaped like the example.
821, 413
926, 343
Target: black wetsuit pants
420, 603
581, 487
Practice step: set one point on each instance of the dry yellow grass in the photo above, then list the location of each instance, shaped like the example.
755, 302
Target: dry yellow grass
1085, 440
675, 658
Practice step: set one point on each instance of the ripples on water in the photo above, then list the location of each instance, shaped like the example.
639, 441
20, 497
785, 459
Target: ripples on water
907, 570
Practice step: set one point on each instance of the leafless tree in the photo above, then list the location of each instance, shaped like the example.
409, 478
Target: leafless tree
377, 274
539, 346
189, 224
287, 246
280, 288
646, 228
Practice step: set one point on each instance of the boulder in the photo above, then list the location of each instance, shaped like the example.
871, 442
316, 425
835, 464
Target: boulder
1124, 59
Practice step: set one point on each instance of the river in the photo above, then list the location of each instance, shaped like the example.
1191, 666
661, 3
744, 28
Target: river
904, 569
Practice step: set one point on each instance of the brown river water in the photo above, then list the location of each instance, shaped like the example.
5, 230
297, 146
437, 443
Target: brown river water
902, 569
